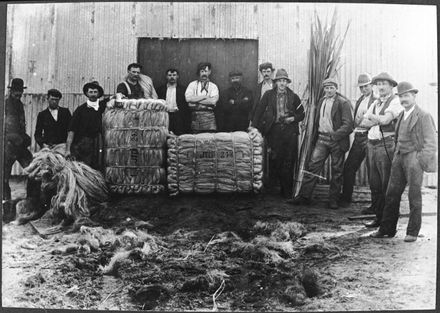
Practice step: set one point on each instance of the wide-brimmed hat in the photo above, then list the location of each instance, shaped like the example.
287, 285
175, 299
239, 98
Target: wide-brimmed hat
282, 73
403, 87
93, 85
330, 81
17, 84
265, 65
364, 79
384, 76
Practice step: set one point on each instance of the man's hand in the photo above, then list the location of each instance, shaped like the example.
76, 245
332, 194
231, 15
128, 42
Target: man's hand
245, 99
46, 145
231, 101
289, 120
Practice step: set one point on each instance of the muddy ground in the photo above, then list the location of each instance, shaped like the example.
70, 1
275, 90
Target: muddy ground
252, 253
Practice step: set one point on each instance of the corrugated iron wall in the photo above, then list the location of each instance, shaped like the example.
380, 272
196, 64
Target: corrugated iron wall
64, 45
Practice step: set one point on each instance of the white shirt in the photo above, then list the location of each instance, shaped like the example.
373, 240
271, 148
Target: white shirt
54, 113
195, 89
171, 98
325, 116
93, 105
362, 109
406, 113
266, 86
394, 108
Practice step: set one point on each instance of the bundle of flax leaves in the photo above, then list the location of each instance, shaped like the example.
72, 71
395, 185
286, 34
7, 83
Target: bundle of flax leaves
324, 62
78, 186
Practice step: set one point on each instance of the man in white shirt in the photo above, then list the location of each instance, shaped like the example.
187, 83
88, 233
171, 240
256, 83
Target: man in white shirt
202, 96
416, 152
358, 149
381, 117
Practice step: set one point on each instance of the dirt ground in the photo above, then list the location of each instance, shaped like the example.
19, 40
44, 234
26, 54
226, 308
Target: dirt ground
246, 252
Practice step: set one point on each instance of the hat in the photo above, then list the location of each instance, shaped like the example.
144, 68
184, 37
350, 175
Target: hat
265, 65
93, 85
235, 73
329, 82
281, 73
403, 87
384, 76
202, 65
364, 79
54, 93
17, 84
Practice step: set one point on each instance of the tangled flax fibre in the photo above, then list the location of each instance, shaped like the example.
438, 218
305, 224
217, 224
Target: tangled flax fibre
78, 186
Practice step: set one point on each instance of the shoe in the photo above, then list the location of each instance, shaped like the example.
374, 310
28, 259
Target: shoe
368, 211
409, 238
299, 200
380, 234
373, 224
333, 205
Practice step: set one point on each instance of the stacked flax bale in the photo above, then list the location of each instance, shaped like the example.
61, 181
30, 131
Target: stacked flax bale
215, 162
135, 133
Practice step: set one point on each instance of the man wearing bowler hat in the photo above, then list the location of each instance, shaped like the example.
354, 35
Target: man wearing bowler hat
277, 117
334, 122
381, 118
84, 139
358, 149
235, 105
416, 152
16, 140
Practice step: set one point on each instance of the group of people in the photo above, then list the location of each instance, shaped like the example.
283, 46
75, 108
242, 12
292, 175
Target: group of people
397, 136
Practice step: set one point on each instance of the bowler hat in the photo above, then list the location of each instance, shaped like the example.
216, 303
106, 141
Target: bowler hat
235, 73
403, 87
364, 79
93, 85
384, 76
329, 82
17, 84
265, 65
281, 73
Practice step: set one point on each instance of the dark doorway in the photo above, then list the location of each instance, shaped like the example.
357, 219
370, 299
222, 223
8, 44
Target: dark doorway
157, 55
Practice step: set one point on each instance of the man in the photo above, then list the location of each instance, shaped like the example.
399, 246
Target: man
202, 96
334, 122
416, 152
84, 139
266, 70
136, 85
233, 111
358, 149
16, 140
381, 117
52, 123
174, 94
277, 118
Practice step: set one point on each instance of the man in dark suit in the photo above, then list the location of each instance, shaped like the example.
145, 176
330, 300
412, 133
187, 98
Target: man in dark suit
415, 153
174, 94
277, 117
266, 70
52, 123
334, 122
358, 149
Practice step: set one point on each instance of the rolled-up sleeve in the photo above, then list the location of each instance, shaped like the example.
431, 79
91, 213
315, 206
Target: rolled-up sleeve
395, 108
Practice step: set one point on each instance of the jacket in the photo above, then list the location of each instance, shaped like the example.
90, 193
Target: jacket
15, 125
423, 136
50, 132
266, 111
358, 103
257, 99
234, 117
342, 120
182, 105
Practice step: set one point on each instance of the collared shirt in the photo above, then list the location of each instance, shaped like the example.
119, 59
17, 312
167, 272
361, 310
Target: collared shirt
406, 114
362, 109
198, 88
54, 113
171, 98
93, 105
266, 86
325, 116
394, 108
281, 104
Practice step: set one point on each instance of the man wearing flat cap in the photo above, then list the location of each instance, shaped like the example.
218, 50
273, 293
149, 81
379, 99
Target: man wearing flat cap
16, 139
266, 70
358, 150
84, 139
334, 122
53, 122
381, 118
277, 117
416, 152
235, 105
202, 96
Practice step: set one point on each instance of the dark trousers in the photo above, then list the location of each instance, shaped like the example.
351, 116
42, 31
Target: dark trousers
11, 154
283, 142
379, 154
86, 150
324, 147
405, 170
356, 156
176, 123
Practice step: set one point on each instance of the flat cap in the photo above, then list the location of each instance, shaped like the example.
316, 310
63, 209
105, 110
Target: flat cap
235, 73
265, 65
330, 81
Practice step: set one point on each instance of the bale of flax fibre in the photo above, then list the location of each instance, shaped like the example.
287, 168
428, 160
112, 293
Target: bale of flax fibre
215, 162
135, 134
